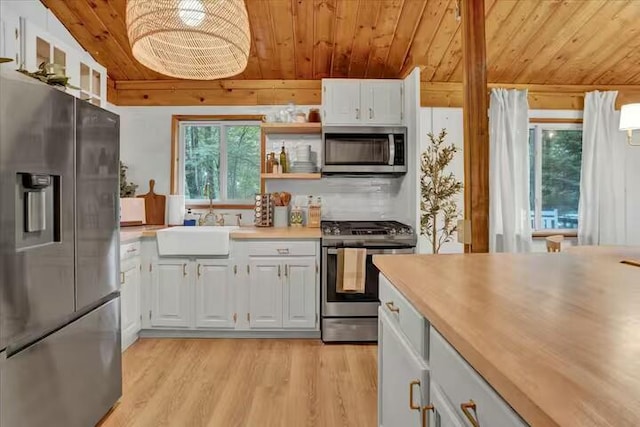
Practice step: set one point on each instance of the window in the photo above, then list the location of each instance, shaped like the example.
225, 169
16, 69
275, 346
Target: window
555, 154
221, 157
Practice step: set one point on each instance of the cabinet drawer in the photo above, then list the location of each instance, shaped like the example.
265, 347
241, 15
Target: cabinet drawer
461, 383
129, 250
282, 248
412, 324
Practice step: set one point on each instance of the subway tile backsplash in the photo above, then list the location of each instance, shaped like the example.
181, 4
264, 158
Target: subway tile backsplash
349, 198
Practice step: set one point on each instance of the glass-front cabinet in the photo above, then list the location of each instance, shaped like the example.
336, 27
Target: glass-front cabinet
84, 73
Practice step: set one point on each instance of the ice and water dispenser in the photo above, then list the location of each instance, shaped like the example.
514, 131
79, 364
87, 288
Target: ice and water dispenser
39, 202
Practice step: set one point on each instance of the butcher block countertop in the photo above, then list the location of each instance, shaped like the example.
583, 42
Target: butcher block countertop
556, 335
276, 233
128, 234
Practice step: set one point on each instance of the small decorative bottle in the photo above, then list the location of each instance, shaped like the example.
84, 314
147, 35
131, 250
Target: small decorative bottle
283, 160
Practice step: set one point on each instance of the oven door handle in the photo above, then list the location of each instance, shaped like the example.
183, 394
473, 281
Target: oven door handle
334, 251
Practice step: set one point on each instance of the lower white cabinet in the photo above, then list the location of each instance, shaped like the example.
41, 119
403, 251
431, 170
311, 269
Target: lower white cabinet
130, 314
282, 292
443, 413
403, 378
170, 293
214, 292
299, 293
265, 293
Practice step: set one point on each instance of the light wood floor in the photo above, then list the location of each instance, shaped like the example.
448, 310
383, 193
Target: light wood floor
241, 382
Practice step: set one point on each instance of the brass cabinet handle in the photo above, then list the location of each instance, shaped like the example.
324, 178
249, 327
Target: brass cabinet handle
283, 251
122, 277
411, 405
425, 410
199, 272
357, 113
371, 113
184, 270
466, 410
286, 270
235, 269
392, 308
279, 272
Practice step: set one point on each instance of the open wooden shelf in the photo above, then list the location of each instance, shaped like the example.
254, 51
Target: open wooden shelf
291, 176
295, 128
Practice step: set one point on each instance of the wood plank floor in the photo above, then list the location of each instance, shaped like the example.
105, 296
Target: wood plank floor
246, 382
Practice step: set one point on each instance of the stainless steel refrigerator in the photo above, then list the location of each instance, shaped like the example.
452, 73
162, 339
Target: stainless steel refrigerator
60, 360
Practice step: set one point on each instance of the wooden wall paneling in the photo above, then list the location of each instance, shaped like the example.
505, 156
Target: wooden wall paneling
410, 16
368, 13
263, 38
281, 14
382, 38
104, 41
323, 37
426, 31
525, 53
476, 124
528, 21
303, 19
345, 32
494, 17
563, 38
112, 92
592, 45
114, 27
445, 51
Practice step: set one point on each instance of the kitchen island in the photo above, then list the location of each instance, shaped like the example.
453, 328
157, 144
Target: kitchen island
557, 336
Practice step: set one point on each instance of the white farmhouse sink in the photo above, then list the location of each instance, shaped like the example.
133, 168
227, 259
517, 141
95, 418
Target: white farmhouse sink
201, 241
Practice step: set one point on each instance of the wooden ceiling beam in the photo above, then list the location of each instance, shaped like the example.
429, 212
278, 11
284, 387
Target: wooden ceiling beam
408, 22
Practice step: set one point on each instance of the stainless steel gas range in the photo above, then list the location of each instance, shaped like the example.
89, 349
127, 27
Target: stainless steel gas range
353, 317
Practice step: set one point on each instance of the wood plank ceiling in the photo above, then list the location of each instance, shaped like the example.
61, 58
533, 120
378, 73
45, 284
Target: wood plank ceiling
588, 42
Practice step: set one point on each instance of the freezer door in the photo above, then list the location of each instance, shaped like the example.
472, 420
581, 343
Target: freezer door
36, 208
70, 378
97, 199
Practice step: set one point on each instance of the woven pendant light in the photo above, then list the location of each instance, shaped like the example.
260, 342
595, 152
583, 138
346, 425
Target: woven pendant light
190, 39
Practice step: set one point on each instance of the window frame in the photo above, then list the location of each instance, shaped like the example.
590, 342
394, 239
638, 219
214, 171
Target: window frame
538, 126
177, 154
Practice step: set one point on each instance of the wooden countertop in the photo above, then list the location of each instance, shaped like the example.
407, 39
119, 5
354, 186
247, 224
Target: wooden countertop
556, 335
128, 234
276, 233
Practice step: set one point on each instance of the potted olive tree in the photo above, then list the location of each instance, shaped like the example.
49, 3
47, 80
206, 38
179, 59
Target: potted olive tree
438, 189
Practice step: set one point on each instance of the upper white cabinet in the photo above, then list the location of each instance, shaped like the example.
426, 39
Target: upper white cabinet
170, 293
362, 102
341, 101
10, 38
299, 292
265, 293
214, 294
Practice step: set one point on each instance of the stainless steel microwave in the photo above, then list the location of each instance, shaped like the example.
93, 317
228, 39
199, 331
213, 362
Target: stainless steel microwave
364, 150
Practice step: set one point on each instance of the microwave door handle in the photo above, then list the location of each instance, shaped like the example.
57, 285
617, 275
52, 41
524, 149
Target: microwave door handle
392, 150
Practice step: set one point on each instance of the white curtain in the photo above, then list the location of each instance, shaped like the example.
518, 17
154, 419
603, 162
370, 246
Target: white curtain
509, 217
601, 211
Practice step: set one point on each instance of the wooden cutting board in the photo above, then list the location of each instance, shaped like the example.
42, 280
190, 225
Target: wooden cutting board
154, 205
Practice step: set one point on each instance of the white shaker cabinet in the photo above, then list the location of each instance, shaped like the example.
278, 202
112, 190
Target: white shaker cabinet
362, 102
403, 378
265, 292
130, 314
170, 293
299, 292
443, 414
214, 293
341, 101
381, 101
